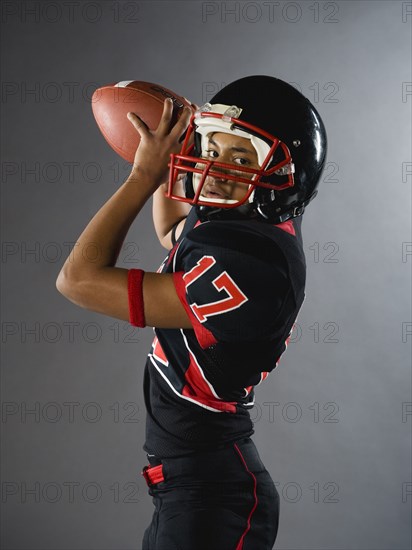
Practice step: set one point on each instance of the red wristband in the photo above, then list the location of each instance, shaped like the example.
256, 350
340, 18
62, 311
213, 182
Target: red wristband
135, 293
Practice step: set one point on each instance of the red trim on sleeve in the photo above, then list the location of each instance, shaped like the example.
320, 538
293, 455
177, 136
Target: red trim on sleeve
203, 335
135, 294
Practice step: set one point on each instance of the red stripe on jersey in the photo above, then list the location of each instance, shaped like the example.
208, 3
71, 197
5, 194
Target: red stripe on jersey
158, 352
288, 227
172, 253
203, 335
199, 390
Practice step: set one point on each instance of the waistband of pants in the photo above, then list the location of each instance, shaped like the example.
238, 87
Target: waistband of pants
208, 465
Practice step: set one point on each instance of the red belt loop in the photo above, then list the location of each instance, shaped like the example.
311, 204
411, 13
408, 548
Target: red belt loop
153, 474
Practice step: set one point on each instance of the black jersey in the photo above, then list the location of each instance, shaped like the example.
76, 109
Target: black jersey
242, 285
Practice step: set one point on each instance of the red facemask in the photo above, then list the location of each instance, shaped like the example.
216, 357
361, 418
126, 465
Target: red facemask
271, 175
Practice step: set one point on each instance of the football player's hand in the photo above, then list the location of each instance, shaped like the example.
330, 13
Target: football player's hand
153, 154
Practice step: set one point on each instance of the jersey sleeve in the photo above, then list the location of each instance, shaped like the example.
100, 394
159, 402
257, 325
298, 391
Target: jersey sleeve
233, 284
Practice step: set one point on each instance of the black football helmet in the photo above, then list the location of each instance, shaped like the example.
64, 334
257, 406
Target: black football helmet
288, 135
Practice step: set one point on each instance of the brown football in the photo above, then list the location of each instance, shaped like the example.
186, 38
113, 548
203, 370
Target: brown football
111, 104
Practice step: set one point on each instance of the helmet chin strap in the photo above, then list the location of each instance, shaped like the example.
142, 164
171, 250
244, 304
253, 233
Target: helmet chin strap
268, 212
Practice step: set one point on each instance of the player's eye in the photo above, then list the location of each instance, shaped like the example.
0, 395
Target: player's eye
241, 160
210, 153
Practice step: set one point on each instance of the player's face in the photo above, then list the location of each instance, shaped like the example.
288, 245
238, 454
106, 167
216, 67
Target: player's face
229, 149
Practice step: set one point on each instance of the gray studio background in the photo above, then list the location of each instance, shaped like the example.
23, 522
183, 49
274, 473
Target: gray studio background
333, 423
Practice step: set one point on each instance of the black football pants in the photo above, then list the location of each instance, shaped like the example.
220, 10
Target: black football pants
216, 500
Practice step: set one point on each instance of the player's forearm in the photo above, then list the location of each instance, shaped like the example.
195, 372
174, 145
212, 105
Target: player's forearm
100, 243
166, 213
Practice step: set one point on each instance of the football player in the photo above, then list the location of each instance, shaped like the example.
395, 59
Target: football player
223, 303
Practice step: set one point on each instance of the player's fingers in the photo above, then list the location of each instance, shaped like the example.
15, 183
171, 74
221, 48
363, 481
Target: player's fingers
164, 123
182, 123
139, 124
